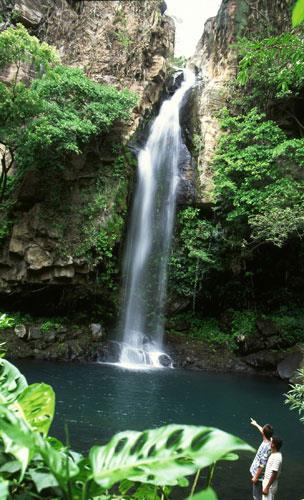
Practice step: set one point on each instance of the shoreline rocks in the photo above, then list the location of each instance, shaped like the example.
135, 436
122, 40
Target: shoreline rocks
87, 343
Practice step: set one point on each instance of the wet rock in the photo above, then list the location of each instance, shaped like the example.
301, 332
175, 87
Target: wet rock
109, 352
50, 336
290, 364
263, 360
165, 360
20, 331
96, 331
35, 333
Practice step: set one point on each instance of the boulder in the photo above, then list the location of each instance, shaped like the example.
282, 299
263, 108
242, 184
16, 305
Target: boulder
96, 331
35, 333
290, 364
38, 258
20, 331
263, 360
28, 12
50, 336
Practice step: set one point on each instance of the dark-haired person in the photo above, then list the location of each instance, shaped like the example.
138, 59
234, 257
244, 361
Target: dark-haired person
259, 462
273, 470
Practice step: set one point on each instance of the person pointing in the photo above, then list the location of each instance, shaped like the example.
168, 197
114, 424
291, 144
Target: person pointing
260, 460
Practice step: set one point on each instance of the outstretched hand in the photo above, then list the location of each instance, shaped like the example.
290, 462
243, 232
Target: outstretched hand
253, 422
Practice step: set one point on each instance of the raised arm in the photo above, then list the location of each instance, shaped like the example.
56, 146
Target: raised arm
255, 424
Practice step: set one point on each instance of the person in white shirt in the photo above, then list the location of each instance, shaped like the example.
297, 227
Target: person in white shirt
273, 470
258, 465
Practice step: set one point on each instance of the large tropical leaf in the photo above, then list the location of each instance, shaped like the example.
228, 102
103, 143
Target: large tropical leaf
60, 462
161, 456
37, 406
298, 13
42, 479
23, 443
208, 494
17, 437
12, 382
3, 489
34, 403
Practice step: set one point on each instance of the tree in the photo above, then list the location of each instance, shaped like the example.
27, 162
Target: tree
54, 110
258, 180
271, 69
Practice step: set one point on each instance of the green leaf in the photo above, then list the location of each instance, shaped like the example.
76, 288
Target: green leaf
3, 489
12, 466
42, 479
161, 456
208, 494
17, 437
12, 382
37, 404
298, 13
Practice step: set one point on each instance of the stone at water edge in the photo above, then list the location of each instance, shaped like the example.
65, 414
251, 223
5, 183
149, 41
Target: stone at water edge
34, 333
20, 331
288, 367
96, 331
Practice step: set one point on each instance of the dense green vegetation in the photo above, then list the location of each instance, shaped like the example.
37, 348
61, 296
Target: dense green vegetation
245, 252
133, 464
58, 112
51, 116
295, 396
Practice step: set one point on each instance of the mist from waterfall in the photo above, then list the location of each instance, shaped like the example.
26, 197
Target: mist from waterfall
149, 236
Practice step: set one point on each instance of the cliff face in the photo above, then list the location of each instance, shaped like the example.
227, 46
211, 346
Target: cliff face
56, 216
216, 62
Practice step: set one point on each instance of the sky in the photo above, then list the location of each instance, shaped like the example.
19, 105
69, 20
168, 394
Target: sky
190, 16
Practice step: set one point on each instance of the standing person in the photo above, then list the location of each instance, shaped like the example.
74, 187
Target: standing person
273, 470
260, 459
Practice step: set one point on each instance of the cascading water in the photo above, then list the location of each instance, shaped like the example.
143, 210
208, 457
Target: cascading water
149, 237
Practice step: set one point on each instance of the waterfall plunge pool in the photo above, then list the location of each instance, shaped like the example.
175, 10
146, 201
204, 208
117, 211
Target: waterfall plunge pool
96, 401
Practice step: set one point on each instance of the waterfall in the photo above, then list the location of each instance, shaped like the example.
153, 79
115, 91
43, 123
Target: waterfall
149, 237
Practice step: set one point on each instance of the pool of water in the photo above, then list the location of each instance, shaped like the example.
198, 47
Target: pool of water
96, 401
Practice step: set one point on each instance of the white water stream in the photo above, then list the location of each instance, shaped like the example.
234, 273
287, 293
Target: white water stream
149, 237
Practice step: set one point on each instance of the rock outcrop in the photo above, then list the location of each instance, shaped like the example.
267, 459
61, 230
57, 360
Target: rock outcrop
126, 44
215, 61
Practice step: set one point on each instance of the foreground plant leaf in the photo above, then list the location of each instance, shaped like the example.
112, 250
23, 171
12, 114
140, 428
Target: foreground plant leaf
161, 456
298, 13
3, 489
23, 443
12, 382
18, 440
208, 494
34, 403
37, 404
42, 479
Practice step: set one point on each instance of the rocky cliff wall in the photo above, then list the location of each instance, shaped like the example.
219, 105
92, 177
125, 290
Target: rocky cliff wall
215, 61
54, 218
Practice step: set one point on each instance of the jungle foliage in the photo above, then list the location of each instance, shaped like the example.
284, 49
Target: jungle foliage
132, 465
49, 110
295, 395
252, 234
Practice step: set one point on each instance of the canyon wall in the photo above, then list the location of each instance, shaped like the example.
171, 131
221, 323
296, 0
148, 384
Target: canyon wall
215, 61
128, 45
